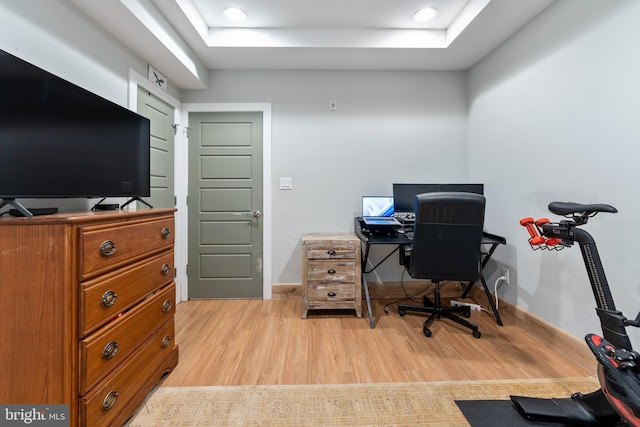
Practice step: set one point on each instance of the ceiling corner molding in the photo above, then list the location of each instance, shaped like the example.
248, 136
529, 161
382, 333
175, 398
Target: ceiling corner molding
143, 29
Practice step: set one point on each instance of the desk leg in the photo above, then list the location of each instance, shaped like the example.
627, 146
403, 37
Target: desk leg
484, 285
365, 285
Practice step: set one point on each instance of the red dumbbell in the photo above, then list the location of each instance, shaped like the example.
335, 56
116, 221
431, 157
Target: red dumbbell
535, 239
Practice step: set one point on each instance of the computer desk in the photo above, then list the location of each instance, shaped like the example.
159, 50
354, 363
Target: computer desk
398, 240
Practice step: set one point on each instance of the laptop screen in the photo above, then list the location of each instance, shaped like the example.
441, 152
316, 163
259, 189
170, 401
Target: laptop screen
377, 206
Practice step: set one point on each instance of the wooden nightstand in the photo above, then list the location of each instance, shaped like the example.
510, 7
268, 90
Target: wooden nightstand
331, 272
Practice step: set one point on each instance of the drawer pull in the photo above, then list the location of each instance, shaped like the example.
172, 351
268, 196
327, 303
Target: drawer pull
165, 233
107, 248
108, 299
110, 350
166, 341
331, 252
165, 269
110, 400
331, 294
166, 305
331, 271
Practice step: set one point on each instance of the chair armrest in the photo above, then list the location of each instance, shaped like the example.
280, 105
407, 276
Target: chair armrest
488, 238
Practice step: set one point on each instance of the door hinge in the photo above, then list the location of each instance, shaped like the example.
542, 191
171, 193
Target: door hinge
175, 128
175, 272
175, 201
186, 269
187, 131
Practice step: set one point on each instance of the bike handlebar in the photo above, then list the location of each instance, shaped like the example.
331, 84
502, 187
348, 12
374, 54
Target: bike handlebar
545, 234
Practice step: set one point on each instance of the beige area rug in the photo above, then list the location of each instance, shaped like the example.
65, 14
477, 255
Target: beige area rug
371, 405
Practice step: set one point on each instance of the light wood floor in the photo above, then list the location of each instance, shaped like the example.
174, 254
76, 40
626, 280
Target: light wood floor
255, 342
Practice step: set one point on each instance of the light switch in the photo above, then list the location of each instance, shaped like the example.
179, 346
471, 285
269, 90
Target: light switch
285, 183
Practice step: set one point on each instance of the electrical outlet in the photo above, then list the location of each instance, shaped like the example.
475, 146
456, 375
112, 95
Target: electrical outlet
505, 274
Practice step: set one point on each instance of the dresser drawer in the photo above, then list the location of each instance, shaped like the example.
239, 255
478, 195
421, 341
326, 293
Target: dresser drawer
331, 252
103, 298
332, 293
115, 399
331, 271
109, 346
103, 248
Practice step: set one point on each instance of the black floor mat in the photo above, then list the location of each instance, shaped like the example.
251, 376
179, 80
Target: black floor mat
493, 413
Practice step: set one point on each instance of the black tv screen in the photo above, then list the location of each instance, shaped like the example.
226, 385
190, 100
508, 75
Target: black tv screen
404, 195
60, 140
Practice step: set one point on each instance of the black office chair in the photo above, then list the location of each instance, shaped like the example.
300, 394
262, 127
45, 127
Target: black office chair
446, 246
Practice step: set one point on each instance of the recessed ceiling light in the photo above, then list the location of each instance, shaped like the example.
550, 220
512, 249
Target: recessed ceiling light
425, 15
234, 14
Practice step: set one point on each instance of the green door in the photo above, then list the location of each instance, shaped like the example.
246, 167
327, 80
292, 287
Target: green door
161, 117
225, 205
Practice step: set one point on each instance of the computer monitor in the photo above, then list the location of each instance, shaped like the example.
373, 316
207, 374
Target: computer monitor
377, 206
404, 194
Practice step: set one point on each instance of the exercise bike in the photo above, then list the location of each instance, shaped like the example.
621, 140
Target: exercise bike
617, 402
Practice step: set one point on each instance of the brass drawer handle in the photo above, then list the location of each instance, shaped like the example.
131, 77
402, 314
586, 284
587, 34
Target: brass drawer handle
166, 305
166, 341
331, 294
110, 350
107, 248
331, 271
165, 233
331, 252
110, 400
108, 299
165, 269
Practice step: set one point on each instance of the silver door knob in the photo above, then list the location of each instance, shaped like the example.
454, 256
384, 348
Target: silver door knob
256, 214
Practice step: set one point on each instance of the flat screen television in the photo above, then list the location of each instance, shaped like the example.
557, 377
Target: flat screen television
60, 140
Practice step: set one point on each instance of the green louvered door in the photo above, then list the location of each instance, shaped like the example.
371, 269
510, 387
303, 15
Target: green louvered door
161, 118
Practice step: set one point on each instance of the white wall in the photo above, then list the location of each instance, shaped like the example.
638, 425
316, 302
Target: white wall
553, 116
388, 127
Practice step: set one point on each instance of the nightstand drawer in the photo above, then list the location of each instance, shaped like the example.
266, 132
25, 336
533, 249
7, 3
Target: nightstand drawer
336, 252
331, 293
331, 271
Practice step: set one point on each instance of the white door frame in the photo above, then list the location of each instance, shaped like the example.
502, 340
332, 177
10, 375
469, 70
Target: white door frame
182, 177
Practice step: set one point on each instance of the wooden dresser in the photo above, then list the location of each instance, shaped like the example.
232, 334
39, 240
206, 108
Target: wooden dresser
331, 272
88, 301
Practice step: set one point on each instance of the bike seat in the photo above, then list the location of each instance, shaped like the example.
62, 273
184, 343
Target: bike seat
570, 208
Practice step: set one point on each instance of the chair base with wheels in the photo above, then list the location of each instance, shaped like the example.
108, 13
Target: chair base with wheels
437, 310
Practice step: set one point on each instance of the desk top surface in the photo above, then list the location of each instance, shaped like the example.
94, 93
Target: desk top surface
402, 239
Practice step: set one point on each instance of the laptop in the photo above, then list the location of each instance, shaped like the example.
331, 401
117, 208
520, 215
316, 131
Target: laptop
377, 206
377, 214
